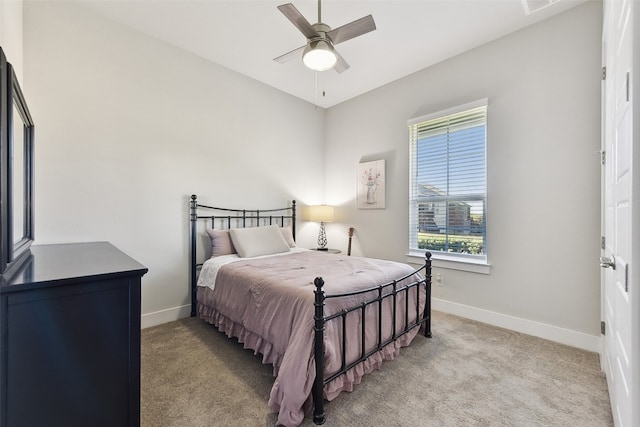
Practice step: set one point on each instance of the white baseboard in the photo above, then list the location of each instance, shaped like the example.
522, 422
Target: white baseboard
164, 316
529, 327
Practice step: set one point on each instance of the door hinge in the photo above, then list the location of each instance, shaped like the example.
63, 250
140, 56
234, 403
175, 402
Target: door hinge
626, 277
603, 157
627, 86
602, 243
604, 73
603, 328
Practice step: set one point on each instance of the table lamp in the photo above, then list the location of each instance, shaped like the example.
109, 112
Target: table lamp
321, 214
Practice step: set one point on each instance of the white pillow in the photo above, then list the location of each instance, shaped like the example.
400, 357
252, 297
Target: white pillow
255, 241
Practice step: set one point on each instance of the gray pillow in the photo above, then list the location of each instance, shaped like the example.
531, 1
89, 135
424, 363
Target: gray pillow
220, 242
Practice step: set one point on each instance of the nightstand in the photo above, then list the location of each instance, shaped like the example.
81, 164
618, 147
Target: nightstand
329, 251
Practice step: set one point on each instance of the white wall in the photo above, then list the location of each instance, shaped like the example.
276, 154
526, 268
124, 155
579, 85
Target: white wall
543, 86
128, 127
11, 33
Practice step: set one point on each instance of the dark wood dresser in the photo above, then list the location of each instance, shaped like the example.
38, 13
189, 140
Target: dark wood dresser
70, 338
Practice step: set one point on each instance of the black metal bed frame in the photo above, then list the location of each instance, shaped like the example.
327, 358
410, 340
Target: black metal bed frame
254, 217
238, 217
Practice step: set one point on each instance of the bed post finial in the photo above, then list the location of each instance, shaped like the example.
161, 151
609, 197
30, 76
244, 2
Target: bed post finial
318, 382
427, 305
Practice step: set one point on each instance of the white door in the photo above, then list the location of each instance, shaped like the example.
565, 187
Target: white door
620, 306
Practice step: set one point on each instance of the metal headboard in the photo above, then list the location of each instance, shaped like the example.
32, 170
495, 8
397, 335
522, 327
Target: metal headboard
224, 218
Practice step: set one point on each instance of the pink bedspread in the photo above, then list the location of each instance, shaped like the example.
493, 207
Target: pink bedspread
267, 304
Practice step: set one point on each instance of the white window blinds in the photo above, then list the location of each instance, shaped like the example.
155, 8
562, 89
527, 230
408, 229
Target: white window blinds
448, 181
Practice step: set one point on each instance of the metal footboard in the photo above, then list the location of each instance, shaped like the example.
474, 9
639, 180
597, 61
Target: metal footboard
388, 290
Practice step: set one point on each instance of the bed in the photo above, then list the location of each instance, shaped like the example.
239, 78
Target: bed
322, 320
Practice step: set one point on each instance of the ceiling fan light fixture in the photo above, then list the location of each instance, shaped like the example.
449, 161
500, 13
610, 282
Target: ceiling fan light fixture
319, 55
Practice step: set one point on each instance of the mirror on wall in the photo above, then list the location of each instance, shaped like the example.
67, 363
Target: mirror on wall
16, 171
18, 188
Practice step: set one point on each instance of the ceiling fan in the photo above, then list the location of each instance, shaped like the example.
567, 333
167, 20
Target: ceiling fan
319, 53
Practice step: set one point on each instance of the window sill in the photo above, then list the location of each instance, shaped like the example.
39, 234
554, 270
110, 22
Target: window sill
452, 263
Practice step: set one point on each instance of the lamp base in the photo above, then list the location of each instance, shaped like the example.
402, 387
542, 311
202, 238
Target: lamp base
322, 238
322, 249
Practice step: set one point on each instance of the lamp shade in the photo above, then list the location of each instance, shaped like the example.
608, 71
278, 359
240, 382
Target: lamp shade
319, 55
321, 213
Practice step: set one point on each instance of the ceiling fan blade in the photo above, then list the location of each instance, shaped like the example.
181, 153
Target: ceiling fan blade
296, 18
290, 55
352, 29
341, 64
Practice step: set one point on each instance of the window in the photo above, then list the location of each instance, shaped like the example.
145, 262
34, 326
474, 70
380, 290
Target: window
447, 205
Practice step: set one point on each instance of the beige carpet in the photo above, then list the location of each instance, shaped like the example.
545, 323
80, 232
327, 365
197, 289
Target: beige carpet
468, 374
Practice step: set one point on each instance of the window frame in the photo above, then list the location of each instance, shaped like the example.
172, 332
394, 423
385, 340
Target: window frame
450, 260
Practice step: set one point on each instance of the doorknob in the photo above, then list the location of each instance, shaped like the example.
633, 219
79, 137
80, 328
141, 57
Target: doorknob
606, 262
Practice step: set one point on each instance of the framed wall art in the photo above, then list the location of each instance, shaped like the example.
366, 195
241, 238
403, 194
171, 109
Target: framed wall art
371, 185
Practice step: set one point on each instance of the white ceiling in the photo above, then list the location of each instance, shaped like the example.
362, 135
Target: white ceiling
246, 35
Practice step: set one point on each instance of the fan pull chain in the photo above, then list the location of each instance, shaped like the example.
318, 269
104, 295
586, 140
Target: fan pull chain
316, 88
